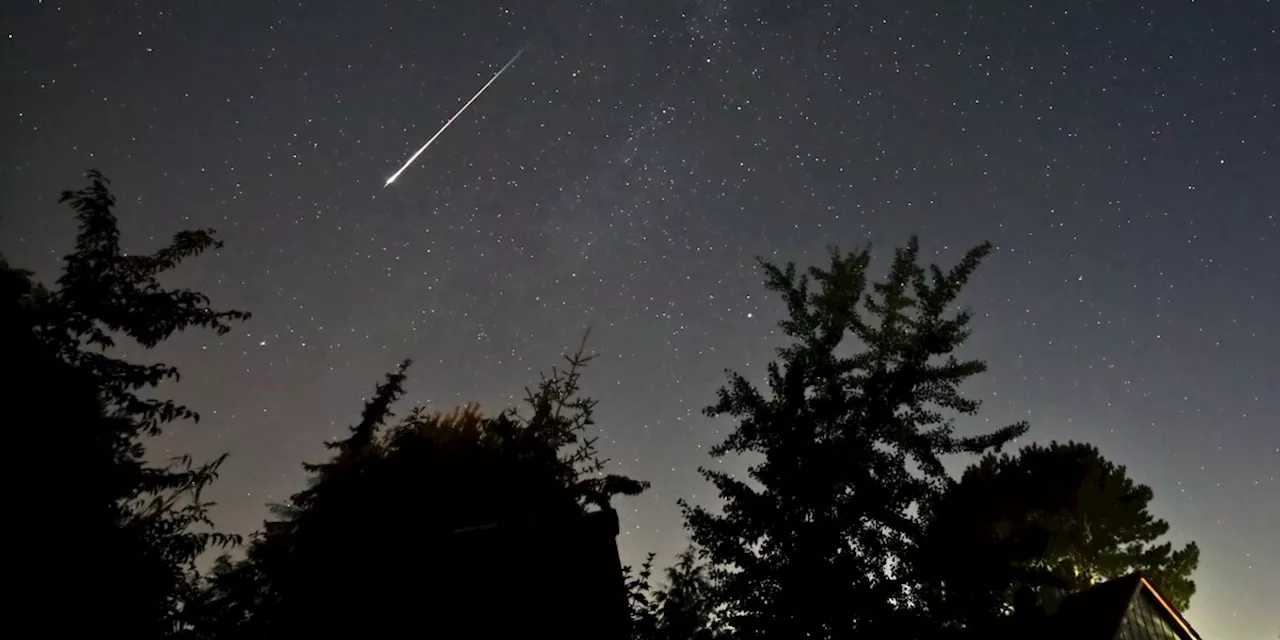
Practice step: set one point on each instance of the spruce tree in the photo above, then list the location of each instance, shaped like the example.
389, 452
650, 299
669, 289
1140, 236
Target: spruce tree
849, 440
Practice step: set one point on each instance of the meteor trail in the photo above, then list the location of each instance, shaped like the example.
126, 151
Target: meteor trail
455, 117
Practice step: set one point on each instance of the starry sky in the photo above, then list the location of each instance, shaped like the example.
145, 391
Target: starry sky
624, 173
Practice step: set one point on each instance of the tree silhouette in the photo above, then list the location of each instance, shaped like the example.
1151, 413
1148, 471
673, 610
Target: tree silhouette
642, 601
377, 528
1056, 518
849, 449
117, 537
681, 609
686, 603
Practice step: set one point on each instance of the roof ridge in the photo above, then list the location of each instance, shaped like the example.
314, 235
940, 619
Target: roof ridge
1173, 612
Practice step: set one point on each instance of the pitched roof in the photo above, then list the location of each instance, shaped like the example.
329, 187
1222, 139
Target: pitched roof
1097, 611
1127, 608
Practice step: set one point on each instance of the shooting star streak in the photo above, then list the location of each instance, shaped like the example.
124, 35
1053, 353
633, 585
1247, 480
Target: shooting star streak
455, 117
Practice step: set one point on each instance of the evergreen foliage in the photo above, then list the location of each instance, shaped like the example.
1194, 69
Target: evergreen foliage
1052, 519
815, 544
847, 524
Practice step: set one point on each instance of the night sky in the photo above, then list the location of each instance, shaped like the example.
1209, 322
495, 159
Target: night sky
623, 174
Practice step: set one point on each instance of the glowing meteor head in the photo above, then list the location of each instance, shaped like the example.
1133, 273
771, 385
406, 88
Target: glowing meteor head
389, 181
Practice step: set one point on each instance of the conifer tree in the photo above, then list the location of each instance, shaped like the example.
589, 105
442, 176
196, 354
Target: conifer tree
1051, 519
849, 440
110, 526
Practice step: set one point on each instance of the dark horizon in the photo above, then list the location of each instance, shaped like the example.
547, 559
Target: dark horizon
625, 173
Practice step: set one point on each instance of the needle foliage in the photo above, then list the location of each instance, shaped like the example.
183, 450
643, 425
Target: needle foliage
847, 442
1052, 519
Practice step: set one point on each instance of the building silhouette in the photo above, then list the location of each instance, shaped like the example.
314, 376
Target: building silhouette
1126, 608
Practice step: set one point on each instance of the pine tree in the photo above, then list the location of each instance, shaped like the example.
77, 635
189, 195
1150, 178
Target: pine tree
110, 525
1057, 517
850, 447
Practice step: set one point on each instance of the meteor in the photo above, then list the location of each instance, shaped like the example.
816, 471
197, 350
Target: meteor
455, 117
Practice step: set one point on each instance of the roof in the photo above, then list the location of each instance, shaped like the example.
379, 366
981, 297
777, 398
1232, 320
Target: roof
1126, 608
1097, 611
603, 523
